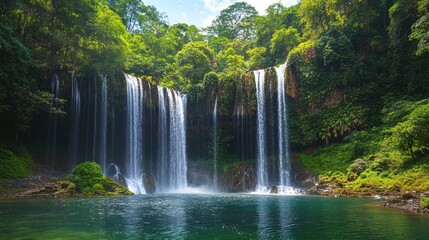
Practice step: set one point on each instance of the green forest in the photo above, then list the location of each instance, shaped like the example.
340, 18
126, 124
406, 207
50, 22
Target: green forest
360, 117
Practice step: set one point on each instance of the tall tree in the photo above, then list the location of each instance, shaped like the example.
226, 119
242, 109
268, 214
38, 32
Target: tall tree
194, 61
236, 21
128, 10
319, 16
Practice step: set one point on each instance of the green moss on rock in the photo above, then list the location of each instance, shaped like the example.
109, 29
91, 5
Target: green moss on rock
89, 180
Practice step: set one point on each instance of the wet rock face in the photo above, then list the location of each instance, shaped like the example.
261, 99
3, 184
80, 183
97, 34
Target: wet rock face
239, 178
149, 183
200, 174
274, 189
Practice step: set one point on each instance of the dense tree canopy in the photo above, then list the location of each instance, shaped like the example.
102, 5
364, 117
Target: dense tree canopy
367, 50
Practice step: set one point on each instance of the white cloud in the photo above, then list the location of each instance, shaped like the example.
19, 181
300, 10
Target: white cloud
215, 6
261, 6
184, 16
208, 21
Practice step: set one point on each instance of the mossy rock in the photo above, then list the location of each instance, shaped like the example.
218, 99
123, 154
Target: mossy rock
89, 180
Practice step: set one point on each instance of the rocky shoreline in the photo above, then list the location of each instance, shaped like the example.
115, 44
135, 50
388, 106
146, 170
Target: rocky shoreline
43, 183
409, 201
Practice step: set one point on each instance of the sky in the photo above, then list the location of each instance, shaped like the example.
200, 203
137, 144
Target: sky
202, 12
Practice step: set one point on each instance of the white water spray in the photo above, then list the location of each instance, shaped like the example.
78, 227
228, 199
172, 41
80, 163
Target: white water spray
262, 172
284, 159
134, 168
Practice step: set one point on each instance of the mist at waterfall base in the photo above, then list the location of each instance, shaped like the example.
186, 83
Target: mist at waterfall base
138, 133
200, 216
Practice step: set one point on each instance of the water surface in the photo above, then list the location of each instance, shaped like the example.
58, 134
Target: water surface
220, 216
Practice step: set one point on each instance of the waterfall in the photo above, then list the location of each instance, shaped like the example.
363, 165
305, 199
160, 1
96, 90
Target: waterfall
284, 161
239, 124
74, 122
151, 132
103, 126
215, 146
262, 172
94, 135
53, 121
134, 135
162, 164
178, 161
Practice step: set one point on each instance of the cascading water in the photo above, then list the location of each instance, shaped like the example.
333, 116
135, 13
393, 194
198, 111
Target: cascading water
178, 162
74, 122
103, 126
53, 121
262, 172
284, 161
94, 135
134, 149
215, 146
162, 164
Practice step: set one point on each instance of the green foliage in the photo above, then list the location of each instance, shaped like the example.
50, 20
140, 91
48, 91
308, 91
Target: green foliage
89, 180
325, 161
319, 16
355, 169
194, 61
411, 136
424, 202
256, 57
335, 49
393, 157
282, 42
420, 29
15, 162
86, 175
339, 122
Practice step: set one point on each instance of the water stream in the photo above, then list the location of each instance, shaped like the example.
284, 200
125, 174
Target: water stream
262, 172
134, 167
284, 159
215, 147
103, 126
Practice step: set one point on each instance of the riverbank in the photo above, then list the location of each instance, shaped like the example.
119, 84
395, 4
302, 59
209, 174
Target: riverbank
408, 201
42, 182
85, 180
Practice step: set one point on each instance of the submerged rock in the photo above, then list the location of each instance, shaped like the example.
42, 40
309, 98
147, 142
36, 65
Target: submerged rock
274, 189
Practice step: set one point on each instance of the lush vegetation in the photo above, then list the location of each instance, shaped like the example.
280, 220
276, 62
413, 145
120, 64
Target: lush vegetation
87, 178
360, 65
389, 158
15, 162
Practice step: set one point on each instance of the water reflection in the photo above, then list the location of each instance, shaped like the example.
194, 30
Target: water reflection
190, 216
286, 218
275, 217
263, 217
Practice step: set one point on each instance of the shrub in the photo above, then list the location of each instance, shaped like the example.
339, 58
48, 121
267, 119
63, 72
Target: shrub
86, 175
355, 169
424, 202
15, 163
89, 180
